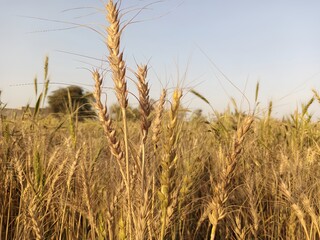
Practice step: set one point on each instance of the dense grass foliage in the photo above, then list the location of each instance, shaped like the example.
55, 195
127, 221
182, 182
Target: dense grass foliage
250, 180
163, 175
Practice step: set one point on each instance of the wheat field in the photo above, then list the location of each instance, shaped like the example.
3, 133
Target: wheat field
163, 176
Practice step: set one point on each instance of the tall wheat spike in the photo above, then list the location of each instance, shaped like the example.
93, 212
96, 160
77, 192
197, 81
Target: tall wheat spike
168, 162
216, 208
118, 69
116, 61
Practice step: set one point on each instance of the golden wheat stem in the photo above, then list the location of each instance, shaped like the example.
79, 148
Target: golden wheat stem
69, 178
125, 133
87, 199
118, 69
222, 189
35, 221
168, 162
295, 207
213, 231
310, 210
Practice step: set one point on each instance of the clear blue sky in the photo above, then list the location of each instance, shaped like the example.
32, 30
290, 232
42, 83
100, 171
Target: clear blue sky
271, 41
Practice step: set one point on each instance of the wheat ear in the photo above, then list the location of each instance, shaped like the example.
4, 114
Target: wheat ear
295, 207
110, 132
312, 213
118, 69
35, 221
221, 190
156, 127
168, 162
116, 61
145, 108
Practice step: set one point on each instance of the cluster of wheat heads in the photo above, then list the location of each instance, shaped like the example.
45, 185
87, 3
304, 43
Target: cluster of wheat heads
163, 176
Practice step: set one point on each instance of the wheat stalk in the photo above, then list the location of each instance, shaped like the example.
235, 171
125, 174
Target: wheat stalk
168, 162
250, 189
88, 199
118, 69
35, 221
312, 213
216, 208
295, 207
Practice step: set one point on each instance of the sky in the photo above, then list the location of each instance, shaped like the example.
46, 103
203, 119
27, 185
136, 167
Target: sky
219, 48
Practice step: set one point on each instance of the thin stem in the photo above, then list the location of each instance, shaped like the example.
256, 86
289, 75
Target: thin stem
125, 132
143, 168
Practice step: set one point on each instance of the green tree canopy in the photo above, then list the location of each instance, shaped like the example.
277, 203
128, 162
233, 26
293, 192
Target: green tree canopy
72, 100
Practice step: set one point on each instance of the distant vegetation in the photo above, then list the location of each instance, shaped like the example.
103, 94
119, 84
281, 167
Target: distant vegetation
154, 173
70, 100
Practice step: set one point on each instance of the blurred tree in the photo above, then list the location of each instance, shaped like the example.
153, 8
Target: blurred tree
133, 114
72, 100
196, 114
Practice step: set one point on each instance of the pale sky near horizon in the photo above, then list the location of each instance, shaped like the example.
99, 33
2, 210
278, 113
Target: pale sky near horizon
274, 42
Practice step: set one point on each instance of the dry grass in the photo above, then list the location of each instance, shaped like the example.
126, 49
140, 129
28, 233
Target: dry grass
163, 176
